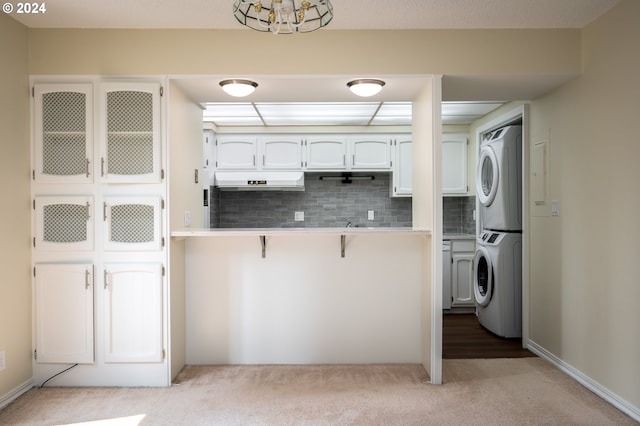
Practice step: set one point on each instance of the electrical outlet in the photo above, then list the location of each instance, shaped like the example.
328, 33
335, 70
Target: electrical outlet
187, 218
370, 215
3, 358
298, 216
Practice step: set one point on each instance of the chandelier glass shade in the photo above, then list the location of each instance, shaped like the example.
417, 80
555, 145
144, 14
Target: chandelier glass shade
283, 16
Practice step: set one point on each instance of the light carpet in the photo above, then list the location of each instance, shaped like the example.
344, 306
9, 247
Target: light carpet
524, 391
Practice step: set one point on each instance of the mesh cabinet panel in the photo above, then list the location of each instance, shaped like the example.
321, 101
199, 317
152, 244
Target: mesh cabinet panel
64, 133
132, 223
130, 132
65, 223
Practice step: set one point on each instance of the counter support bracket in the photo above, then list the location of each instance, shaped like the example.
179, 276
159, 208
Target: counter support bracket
342, 244
263, 243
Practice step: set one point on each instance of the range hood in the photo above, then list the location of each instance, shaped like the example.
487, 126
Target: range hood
260, 181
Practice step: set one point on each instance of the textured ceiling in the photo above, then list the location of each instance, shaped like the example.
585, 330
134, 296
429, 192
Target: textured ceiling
349, 14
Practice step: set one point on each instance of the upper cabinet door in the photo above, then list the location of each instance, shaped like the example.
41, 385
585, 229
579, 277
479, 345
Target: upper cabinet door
130, 133
282, 153
63, 133
454, 164
403, 167
236, 152
371, 153
326, 153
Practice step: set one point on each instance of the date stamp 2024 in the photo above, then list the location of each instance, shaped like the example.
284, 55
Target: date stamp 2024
24, 8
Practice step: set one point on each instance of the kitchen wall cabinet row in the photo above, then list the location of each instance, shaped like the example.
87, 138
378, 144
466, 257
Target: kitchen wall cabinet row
313, 153
304, 152
329, 152
99, 225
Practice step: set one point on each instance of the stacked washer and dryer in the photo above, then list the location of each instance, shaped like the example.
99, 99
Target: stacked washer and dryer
498, 258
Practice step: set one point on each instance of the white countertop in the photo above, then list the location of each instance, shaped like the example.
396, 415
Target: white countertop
239, 232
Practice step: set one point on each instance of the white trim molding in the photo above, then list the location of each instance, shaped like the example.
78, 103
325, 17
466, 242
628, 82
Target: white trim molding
15, 393
595, 387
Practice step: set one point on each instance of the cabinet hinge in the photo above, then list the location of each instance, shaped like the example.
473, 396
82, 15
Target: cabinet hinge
33, 92
162, 174
33, 174
161, 91
34, 204
162, 204
34, 242
35, 354
34, 272
216, 142
163, 271
164, 354
162, 241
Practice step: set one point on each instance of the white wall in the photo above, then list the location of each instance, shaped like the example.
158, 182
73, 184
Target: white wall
303, 303
584, 276
185, 156
15, 224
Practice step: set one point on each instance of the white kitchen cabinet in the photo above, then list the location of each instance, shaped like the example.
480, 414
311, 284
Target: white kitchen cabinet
326, 152
462, 254
63, 313
370, 152
63, 133
446, 275
133, 313
281, 152
454, 164
132, 223
402, 167
130, 133
236, 152
208, 142
64, 223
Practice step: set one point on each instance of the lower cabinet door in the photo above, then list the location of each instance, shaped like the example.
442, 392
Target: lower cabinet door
462, 279
63, 303
133, 313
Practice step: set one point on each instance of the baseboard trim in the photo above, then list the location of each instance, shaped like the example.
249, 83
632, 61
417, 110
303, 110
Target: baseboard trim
15, 393
595, 387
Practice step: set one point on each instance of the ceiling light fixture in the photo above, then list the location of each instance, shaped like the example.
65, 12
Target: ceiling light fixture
238, 88
365, 87
283, 16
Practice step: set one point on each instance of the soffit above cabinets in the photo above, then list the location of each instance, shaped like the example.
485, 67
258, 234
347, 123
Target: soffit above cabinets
226, 114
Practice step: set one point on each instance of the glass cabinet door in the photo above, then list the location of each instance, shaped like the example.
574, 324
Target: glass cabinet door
64, 223
63, 133
131, 145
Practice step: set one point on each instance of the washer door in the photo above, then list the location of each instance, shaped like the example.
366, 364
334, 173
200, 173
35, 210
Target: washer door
487, 176
483, 277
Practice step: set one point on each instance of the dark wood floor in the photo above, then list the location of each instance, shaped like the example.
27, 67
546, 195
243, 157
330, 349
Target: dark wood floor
463, 337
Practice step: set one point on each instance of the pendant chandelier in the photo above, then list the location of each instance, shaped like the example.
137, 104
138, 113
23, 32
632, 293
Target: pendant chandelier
283, 16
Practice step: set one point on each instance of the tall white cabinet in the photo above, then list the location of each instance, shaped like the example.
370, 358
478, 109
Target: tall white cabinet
99, 233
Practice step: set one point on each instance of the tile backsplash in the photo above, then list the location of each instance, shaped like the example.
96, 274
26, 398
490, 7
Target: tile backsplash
325, 203
457, 215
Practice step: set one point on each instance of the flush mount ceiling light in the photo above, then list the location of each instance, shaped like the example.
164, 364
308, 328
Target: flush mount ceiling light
283, 16
365, 87
238, 88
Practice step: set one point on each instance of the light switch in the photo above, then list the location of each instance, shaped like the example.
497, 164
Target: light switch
298, 216
370, 215
554, 208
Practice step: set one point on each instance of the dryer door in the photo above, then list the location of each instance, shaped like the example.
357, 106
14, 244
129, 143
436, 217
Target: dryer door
483, 276
487, 176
